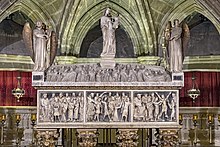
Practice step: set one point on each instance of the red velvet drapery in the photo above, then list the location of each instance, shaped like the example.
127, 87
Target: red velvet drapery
209, 85
207, 82
8, 81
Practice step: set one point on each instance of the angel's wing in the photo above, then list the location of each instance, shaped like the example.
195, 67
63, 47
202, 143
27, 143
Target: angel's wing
167, 31
53, 47
166, 51
27, 37
185, 37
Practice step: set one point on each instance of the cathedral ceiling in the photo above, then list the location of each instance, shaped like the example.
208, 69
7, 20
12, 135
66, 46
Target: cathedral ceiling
143, 20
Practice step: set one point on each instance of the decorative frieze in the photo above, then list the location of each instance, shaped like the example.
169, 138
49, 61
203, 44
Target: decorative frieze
97, 108
95, 73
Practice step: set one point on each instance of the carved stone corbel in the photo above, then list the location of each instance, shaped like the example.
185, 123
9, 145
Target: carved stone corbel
87, 137
167, 138
47, 137
127, 137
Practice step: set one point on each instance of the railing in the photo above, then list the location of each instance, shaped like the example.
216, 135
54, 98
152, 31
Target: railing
198, 126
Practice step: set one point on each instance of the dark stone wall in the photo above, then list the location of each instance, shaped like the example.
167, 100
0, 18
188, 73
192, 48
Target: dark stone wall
92, 44
204, 40
11, 41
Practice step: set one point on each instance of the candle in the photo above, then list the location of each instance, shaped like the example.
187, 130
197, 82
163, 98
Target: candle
180, 117
195, 117
33, 117
18, 117
210, 118
3, 117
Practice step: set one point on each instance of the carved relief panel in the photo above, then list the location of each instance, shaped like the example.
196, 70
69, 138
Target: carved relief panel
98, 108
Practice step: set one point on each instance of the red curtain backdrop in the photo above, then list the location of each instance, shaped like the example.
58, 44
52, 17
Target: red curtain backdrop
8, 81
209, 85
207, 82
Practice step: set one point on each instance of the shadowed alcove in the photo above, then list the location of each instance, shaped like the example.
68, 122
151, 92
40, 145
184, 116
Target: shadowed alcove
92, 44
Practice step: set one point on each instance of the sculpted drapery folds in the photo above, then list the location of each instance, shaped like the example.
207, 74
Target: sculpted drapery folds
108, 25
41, 43
177, 38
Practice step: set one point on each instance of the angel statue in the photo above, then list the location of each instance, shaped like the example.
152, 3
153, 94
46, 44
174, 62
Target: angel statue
42, 44
108, 25
177, 38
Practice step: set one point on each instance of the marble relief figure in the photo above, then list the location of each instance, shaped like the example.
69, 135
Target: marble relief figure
108, 26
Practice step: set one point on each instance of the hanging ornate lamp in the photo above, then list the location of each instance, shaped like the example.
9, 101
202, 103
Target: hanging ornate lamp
18, 92
194, 92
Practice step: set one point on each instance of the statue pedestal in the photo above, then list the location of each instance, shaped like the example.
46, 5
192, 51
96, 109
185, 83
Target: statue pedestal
107, 62
37, 76
178, 76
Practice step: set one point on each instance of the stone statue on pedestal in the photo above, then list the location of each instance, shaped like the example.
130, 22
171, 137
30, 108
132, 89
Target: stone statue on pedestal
177, 38
108, 25
42, 44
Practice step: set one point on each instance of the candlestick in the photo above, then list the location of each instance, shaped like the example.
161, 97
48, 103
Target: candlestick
18, 118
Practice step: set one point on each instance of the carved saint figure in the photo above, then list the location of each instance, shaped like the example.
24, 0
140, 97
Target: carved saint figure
106, 110
125, 110
42, 45
163, 101
109, 25
172, 106
45, 103
177, 38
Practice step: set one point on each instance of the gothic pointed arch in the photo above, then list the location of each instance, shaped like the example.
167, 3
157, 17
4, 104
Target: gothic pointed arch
31, 9
181, 11
135, 24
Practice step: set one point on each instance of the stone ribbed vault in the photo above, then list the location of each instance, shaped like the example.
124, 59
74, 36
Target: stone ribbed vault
143, 20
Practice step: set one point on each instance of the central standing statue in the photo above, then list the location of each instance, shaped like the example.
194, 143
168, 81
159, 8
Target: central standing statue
108, 25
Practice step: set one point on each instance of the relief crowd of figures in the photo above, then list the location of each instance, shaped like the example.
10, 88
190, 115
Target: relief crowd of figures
61, 107
108, 107
94, 73
153, 106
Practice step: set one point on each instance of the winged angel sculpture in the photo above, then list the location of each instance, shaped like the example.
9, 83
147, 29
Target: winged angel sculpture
177, 38
42, 44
